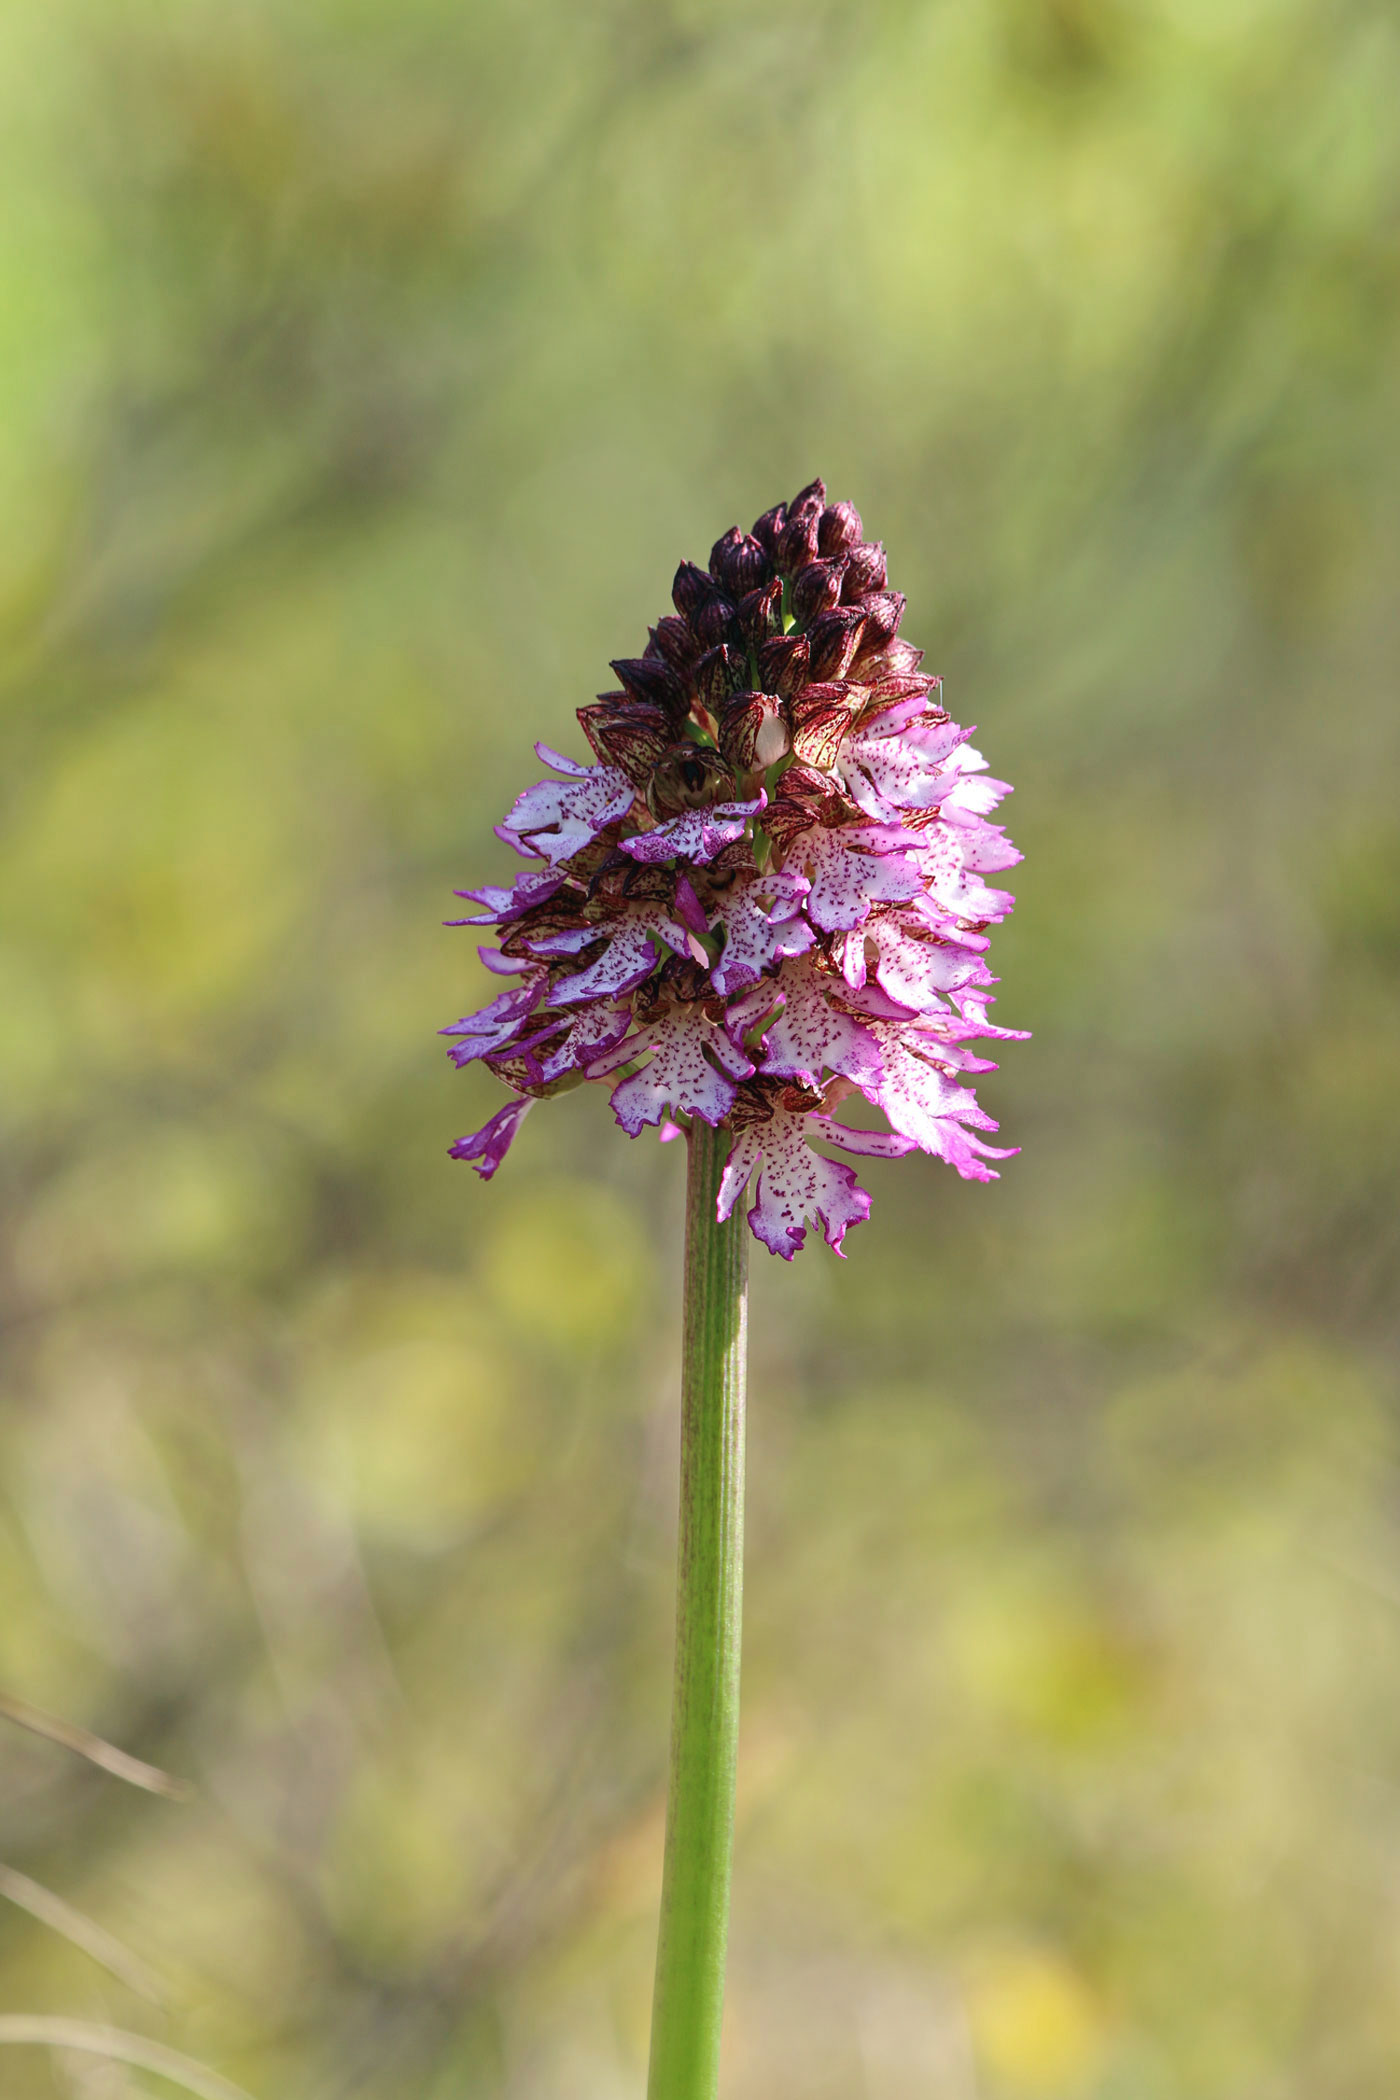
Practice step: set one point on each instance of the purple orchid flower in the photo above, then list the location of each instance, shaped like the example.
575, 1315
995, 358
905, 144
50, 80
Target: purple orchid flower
769, 893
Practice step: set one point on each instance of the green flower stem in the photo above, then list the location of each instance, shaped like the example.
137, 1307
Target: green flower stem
689, 2002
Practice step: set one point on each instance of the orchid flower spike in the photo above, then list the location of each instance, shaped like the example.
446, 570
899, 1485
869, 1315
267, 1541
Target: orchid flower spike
768, 894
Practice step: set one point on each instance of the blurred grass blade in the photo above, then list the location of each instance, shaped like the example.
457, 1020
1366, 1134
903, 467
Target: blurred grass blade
120, 2047
83, 1932
95, 1750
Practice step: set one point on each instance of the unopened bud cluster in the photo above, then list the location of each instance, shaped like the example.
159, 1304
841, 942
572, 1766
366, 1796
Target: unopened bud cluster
768, 893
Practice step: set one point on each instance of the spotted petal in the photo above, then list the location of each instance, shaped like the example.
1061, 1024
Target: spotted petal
505, 903
692, 1069
986, 849
974, 793
556, 818
763, 925
696, 835
812, 1034
591, 1037
641, 934
793, 1183
950, 885
853, 867
924, 1104
870, 1144
890, 770
910, 962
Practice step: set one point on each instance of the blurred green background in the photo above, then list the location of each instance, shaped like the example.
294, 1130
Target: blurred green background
366, 366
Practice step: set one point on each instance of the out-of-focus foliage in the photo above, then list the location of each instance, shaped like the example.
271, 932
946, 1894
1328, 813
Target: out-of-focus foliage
366, 369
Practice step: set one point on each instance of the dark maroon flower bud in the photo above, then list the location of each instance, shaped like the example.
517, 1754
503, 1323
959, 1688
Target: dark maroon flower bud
833, 638
720, 674
809, 502
838, 528
672, 639
752, 732
651, 678
690, 589
798, 543
865, 571
883, 612
816, 589
744, 565
724, 546
715, 622
688, 776
767, 529
782, 663
761, 614
627, 734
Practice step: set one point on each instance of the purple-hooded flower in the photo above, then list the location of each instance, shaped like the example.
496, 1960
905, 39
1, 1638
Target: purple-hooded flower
766, 896
774, 1131
638, 938
699, 835
691, 1067
487, 1147
760, 922
556, 818
851, 868
908, 959
812, 1029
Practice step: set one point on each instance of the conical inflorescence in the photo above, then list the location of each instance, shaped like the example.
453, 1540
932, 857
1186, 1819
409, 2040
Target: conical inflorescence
769, 893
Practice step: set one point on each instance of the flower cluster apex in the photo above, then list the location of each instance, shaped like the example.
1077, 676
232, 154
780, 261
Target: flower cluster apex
769, 892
